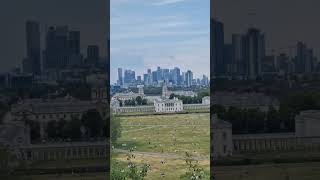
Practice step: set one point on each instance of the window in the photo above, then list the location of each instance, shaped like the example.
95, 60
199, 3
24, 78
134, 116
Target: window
224, 135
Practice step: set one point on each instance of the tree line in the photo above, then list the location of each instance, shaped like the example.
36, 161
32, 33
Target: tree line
90, 125
274, 120
189, 99
138, 101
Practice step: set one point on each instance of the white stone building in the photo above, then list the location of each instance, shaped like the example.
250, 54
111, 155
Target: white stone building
168, 105
46, 110
221, 132
308, 124
127, 96
244, 100
206, 100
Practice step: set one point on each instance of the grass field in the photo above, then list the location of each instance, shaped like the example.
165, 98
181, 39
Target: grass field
165, 138
292, 171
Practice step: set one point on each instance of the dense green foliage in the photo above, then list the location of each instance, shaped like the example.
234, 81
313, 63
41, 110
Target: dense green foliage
115, 127
91, 123
194, 171
138, 101
281, 120
129, 170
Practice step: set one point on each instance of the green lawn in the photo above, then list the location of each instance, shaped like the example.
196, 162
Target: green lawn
166, 138
93, 176
294, 171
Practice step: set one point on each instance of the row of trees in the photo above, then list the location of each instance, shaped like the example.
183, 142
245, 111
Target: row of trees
138, 101
281, 120
191, 100
91, 125
256, 120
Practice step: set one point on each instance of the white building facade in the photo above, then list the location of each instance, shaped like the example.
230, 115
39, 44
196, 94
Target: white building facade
168, 105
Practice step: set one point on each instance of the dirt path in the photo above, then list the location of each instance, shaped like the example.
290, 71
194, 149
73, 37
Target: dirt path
162, 155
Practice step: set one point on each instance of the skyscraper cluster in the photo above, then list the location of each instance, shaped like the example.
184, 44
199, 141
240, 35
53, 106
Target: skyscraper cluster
32, 63
173, 77
246, 56
61, 49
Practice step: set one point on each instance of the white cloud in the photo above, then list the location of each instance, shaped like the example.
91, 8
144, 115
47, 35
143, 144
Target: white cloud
166, 2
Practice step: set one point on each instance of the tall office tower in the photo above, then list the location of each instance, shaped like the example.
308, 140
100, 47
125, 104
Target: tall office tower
146, 79
204, 80
139, 79
237, 62
283, 63
154, 77
176, 76
188, 78
120, 77
149, 82
227, 58
309, 63
300, 57
57, 53
217, 44
268, 64
159, 74
74, 48
166, 75
304, 60
32, 64
74, 42
254, 52
183, 78
93, 54
129, 77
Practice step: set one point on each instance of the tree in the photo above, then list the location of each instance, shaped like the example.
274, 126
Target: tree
93, 121
52, 129
144, 102
34, 129
8, 164
194, 171
139, 100
115, 129
72, 129
132, 171
273, 121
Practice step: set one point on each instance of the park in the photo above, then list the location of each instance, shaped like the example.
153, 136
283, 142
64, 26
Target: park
162, 141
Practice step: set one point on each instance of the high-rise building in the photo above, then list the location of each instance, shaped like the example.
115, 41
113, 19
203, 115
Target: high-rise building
254, 52
304, 60
120, 77
149, 82
32, 64
237, 65
217, 45
227, 58
74, 42
129, 77
154, 76
188, 78
283, 63
62, 48
139, 79
93, 54
146, 79
176, 76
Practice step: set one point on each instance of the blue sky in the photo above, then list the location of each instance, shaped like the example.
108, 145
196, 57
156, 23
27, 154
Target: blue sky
166, 33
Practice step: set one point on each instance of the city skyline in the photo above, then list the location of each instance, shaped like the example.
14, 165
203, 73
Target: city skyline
283, 30
171, 33
151, 77
89, 17
254, 46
